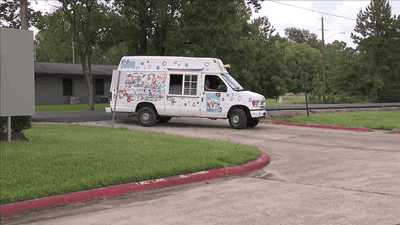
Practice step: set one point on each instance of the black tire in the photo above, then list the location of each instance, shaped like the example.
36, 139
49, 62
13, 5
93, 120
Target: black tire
238, 119
163, 119
252, 122
147, 117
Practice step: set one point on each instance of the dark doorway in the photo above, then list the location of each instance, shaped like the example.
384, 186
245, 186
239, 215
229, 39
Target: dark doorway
67, 86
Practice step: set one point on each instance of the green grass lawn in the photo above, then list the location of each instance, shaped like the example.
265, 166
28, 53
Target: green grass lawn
65, 158
286, 100
67, 107
387, 120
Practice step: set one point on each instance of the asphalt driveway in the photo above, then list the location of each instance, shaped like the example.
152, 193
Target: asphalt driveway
316, 176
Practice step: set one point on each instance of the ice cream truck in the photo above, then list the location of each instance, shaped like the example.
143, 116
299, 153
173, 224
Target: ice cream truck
157, 88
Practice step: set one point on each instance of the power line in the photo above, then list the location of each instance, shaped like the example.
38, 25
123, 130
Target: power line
312, 10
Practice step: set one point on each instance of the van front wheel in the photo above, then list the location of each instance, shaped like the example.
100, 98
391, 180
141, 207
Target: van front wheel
163, 119
147, 117
238, 119
252, 122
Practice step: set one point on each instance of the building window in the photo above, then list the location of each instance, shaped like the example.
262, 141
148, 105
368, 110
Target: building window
67, 86
99, 86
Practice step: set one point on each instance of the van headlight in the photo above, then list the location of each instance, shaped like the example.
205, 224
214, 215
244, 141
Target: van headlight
258, 103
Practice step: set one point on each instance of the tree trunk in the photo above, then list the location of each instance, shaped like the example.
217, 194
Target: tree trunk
143, 38
24, 14
144, 25
90, 84
89, 81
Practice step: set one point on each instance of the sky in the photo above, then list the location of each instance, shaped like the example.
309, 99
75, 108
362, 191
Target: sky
283, 14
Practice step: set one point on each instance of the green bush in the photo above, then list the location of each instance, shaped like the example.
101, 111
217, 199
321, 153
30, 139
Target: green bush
3, 124
316, 96
18, 123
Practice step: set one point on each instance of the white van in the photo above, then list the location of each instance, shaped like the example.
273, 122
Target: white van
157, 88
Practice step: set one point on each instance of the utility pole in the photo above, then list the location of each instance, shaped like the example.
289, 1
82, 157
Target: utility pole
323, 61
24, 14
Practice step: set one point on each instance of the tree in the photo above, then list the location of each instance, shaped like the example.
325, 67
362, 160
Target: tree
262, 27
137, 23
256, 60
300, 59
54, 40
378, 43
215, 28
302, 36
9, 14
168, 27
338, 58
87, 19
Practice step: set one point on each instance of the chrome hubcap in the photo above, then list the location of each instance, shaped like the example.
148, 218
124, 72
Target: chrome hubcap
235, 119
145, 117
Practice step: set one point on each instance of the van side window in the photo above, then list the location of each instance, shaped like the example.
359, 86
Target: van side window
175, 84
214, 83
183, 82
190, 85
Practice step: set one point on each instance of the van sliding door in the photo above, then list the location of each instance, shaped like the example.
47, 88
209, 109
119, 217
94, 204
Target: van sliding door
183, 95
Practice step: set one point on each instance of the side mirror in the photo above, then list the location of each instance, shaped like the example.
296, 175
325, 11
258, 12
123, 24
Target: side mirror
222, 88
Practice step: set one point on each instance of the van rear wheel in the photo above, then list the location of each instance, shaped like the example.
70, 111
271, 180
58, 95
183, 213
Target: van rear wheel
147, 117
238, 119
163, 119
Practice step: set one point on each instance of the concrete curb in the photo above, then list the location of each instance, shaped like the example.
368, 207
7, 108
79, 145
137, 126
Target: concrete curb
337, 127
106, 192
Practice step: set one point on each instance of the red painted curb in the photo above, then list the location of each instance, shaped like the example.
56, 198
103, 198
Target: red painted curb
106, 192
396, 131
337, 127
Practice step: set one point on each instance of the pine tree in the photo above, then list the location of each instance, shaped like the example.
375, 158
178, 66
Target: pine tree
379, 45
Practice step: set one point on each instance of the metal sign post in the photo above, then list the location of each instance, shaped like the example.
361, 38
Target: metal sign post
115, 101
9, 128
304, 80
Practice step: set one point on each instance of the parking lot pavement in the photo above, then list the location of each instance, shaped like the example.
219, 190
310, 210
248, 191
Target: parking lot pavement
316, 176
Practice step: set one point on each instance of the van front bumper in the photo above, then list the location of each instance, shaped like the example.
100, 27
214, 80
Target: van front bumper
258, 113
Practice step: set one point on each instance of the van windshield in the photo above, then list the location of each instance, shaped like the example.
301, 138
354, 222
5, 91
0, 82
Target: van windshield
232, 82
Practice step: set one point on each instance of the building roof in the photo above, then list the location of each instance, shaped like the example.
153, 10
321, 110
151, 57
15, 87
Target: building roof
72, 68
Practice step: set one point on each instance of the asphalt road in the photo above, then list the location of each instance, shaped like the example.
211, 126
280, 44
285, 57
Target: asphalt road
316, 176
330, 106
83, 116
